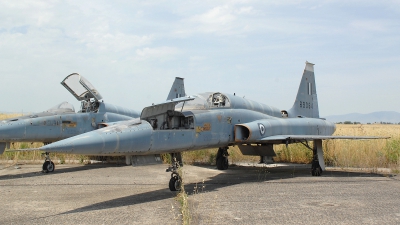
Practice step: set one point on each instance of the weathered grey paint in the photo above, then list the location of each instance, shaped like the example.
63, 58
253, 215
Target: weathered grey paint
56, 127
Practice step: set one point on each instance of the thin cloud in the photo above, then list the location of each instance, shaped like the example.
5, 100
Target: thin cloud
157, 53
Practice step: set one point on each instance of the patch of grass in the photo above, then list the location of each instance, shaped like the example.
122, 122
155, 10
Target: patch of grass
62, 159
182, 198
393, 151
166, 158
82, 158
295, 153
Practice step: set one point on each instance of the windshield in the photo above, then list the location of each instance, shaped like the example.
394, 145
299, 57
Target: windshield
198, 103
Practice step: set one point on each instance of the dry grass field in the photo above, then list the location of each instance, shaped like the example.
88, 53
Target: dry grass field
6, 116
380, 153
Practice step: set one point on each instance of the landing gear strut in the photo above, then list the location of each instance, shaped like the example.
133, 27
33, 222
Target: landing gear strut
222, 158
316, 168
317, 164
176, 181
48, 165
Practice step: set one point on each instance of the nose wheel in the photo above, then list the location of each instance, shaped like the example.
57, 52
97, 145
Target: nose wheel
175, 182
48, 165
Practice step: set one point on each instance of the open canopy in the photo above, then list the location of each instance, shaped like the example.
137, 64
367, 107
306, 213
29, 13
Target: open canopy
80, 87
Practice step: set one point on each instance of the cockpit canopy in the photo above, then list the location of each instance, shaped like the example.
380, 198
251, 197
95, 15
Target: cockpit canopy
84, 91
63, 107
80, 88
204, 101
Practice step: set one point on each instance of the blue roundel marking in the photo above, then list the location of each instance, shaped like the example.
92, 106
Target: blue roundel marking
262, 128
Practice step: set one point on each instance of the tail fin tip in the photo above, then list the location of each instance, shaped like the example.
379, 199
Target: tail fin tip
177, 89
310, 66
306, 102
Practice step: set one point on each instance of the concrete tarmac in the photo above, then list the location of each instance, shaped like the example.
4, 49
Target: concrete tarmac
117, 194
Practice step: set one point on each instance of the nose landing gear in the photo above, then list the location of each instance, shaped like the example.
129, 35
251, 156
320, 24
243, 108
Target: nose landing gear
48, 165
176, 181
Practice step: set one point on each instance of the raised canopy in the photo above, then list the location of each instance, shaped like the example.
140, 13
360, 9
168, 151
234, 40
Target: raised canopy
80, 87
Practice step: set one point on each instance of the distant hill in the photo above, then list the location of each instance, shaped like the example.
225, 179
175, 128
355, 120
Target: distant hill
375, 117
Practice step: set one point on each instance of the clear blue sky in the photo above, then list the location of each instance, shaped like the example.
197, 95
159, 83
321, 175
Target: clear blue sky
131, 51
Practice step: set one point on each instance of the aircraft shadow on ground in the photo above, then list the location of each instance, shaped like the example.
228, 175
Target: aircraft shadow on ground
126, 201
243, 174
57, 171
233, 176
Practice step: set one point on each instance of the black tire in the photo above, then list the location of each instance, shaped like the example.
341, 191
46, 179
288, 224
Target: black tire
48, 166
175, 183
316, 169
222, 163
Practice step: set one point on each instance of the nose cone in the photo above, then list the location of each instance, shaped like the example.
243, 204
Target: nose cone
114, 140
12, 131
87, 143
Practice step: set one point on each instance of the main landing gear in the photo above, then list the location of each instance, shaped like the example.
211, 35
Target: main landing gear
317, 165
316, 168
176, 181
222, 158
48, 165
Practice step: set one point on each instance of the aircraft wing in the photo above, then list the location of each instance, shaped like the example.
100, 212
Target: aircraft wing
22, 150
315, 137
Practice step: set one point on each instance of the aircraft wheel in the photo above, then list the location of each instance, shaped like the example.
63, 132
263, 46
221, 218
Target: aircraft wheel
222, 163
316, 169
48, 166
175, 183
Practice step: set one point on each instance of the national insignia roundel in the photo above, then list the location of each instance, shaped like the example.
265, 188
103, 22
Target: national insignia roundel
262, 128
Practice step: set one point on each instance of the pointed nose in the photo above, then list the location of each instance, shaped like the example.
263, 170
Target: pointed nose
87, 143
117, 140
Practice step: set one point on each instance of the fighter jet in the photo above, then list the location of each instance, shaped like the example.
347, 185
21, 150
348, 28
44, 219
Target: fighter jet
61, 121
213, 120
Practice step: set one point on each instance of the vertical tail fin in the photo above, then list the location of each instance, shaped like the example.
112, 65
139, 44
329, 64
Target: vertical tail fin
306, 103
177, 89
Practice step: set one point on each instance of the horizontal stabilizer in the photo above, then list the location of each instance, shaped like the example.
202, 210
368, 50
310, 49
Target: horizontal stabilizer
316, 137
